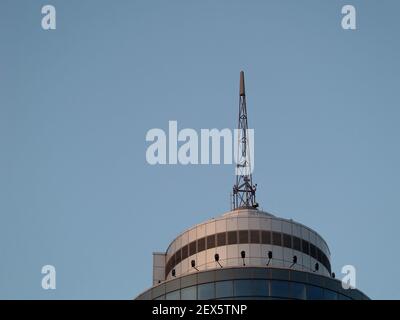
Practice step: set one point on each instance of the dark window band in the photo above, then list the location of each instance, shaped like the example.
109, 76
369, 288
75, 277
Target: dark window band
276, 238
221, 239
245, 237
232, 237
211, 241
254, 236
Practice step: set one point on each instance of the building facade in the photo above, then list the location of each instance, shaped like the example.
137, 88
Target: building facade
246, 254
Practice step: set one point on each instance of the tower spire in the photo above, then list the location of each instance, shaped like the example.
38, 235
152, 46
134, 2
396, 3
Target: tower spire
244, 192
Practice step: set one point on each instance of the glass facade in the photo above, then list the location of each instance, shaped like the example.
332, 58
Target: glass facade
224, 289
279, 289
252, 283
250, 288
315, 293
297, 291
189, 293
255, 289
174, 295
206, 291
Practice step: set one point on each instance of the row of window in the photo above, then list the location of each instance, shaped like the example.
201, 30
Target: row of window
245, 237
253, 288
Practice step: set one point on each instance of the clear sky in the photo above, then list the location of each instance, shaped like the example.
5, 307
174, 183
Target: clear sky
76, 103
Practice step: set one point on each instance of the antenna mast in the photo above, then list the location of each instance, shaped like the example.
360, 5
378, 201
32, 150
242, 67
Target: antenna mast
244, 192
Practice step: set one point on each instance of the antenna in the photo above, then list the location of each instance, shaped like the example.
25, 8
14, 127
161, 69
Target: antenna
244, 192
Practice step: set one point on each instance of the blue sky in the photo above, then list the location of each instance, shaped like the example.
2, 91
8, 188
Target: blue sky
76, 104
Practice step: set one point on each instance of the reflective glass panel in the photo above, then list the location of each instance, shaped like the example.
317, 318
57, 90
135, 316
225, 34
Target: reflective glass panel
297, 290
279, 288
174, 295
205, 291
224, 289
188, 293
315, 293
330, 295
245, 288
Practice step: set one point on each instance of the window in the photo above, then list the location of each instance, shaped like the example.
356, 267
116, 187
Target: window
297, 290
313, 251
224, 289
192, 248
260, 288
319, 255
279, 288
277, 238
221, 239
189, 293
201, 244
250, 288
168, 267
243, 236
287, 241
305, 246
266, 237
324, 260
296, 244
178, 256
232, 237
211, 241
315, 293
185, 252
205, 291
254, 236
174, 295
330, 295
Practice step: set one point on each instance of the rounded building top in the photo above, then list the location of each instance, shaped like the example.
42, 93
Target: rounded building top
247, 237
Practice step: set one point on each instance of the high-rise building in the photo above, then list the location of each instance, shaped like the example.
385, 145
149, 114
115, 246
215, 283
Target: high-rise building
246, 253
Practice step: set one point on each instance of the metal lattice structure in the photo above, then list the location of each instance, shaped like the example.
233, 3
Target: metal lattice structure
244, 192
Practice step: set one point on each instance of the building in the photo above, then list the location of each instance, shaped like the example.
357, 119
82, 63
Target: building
246, 253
